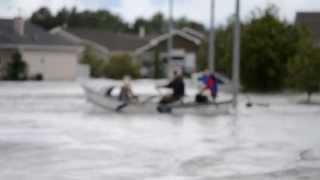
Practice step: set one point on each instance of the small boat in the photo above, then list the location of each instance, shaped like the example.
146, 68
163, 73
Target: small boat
149, 104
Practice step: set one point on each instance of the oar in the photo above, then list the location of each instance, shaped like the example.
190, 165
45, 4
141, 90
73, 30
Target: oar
250, 103
121, 107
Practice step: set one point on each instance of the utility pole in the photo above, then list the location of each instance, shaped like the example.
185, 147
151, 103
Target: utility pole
211, 51
236, 56
170, 31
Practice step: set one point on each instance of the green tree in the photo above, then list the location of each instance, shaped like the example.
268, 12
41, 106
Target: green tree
44, 18
202, 57
304, 67
141, 22
17, 68
62, 17
158, 69
105, 20
120, 66
223, 51
224, 46
185, 22
267, 45
157, 23
100, 19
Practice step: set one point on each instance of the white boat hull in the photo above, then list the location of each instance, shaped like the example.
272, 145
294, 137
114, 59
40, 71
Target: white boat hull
111, 103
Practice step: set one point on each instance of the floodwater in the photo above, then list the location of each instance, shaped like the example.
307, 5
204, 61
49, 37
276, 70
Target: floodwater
49, 132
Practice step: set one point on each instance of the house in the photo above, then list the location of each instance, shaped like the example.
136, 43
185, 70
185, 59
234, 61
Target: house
311, 20
183, 55
105, 43
144, 48
47, 55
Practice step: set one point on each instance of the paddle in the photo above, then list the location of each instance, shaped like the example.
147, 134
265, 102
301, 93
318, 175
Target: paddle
148, 99
121, 106
250, 103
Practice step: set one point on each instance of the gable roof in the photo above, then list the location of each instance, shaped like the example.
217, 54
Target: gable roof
33, 35
112, 41
310, 20
156, 41
121, 42
194, 33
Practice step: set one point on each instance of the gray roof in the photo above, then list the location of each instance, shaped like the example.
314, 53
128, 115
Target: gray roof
310, 20
33, 35
112, 41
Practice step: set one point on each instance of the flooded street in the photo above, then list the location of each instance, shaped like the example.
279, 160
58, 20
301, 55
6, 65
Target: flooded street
49, 132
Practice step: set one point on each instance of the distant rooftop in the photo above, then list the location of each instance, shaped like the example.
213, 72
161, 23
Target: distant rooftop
113, 41
33, 35
125, 42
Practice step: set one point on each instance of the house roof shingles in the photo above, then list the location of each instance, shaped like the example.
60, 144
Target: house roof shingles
33, 35
113, 41
310, 20
119, 42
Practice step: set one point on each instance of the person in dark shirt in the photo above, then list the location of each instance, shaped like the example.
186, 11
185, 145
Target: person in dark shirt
178, 89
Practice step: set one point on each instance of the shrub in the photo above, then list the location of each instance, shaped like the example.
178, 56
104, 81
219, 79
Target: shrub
17, 68
120, 66
267, 44
158, 71
95, 63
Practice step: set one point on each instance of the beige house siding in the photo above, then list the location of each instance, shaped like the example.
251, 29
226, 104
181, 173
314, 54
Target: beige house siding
53, 65
5, 58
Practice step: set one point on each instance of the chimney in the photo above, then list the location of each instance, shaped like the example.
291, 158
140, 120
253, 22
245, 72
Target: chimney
19, 25
142, 32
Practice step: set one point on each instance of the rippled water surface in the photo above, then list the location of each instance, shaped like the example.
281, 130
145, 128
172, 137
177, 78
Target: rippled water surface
49, 132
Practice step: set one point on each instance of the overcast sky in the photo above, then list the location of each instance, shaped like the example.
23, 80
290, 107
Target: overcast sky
131, 9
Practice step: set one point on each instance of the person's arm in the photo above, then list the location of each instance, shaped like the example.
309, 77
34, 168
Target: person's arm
201, 78
131, 94
169, 85
219, 81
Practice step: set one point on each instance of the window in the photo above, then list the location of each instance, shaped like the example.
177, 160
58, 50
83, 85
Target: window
177, 58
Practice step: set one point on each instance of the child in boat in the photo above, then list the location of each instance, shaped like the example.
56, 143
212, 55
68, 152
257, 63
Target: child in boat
210, 84
126, 93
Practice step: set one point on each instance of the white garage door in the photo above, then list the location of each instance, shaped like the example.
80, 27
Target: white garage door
53, 65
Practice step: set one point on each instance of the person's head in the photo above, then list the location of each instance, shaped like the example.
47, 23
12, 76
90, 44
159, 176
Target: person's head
126, 80
175, 73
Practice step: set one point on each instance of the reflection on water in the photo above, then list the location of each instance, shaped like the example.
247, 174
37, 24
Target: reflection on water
48, 131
